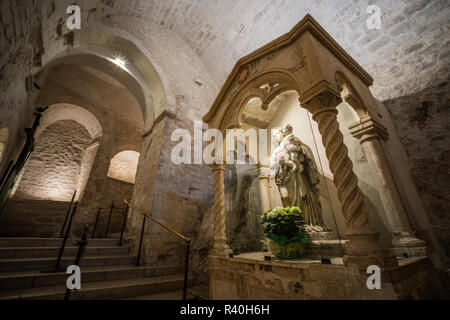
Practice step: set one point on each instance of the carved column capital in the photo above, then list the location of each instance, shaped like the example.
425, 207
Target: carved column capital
218, 167
368, 129
264, 172
324, 102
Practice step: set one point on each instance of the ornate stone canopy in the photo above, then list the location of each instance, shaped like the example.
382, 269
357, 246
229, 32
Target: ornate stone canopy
307, 60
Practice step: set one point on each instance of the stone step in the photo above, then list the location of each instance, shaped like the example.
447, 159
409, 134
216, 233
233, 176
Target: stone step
52, 242
30, 264
164, 296
102, 290
31, 252
319, 249
325, 235
23, 280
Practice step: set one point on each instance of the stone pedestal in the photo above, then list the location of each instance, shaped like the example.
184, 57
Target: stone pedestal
326, 235
250, 277
363, 250
405, 245
321, 249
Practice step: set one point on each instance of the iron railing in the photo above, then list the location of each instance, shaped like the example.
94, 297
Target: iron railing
171, 230
68, 214
83, 242
110, 211
81, 248
58, 267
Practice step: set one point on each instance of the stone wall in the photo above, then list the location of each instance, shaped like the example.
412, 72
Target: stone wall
101, 96
53, 169
21, 219
422, 121
200, 46
20, 52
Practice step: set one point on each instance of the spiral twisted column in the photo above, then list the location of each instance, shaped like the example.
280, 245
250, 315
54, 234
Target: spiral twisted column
323, 108
220, 247
363, 248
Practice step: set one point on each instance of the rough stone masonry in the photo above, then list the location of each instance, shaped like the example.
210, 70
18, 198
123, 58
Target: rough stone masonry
193, 46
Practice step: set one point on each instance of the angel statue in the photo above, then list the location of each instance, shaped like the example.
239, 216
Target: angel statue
296, 175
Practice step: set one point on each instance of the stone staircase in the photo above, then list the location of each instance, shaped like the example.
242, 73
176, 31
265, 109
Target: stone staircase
107, 271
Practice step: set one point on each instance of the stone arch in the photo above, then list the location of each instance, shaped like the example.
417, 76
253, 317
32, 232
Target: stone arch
54, 170
128, 147
66, 111
322, 104
101, 62
266, 86
123, 166
99, 48
351, 96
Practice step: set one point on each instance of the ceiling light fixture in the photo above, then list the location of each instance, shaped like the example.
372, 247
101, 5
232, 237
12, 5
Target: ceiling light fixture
119, 61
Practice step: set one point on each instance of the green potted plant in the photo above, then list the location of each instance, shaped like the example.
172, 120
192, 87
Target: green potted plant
284, 229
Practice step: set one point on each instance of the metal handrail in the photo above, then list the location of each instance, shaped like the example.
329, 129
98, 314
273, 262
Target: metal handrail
111, 209
68, 214
118, 207
171, 230
81, 249
58, 267
179, 235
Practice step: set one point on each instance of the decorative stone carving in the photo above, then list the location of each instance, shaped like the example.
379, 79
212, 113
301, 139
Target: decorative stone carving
323, 108
297, 177
320, 94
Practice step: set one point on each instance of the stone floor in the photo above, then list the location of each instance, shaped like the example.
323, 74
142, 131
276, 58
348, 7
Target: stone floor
201, 293
260, 256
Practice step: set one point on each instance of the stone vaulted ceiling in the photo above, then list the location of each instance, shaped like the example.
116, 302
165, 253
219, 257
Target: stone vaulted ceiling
408, 53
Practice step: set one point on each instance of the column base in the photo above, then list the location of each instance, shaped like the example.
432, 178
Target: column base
363, 250
221, 249
406, 245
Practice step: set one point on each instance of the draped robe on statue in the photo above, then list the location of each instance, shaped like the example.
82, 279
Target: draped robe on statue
296, 175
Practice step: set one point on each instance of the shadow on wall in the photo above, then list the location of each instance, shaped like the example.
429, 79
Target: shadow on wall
243, 208
27, 221
422, 122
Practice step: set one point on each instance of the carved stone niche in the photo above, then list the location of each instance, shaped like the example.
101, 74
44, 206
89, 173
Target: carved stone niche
307, 60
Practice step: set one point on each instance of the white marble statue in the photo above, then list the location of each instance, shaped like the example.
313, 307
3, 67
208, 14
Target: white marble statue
296, 175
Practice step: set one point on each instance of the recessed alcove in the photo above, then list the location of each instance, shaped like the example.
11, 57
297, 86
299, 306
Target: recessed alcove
123, 166
53, 170
243, 191
287, 108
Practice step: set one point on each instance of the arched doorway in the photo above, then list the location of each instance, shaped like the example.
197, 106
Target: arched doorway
53, 171
124, 165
